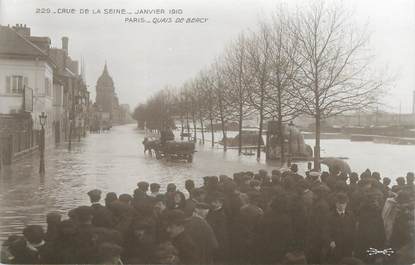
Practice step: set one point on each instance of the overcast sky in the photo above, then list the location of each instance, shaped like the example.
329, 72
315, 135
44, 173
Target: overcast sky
143, 58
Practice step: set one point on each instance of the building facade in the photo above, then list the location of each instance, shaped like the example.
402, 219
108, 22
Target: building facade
36, 78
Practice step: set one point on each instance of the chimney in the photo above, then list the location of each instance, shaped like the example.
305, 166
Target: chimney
22, 30
65, 41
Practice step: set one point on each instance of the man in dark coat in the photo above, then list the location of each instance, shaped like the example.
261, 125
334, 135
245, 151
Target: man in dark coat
198, 195
218, 221
102, 216
201, 233
85, 238
274, 232
32, 250
342, 230
187, 250
318, 236
243, 229
370, 232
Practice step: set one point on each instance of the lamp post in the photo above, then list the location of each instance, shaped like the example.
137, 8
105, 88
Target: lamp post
42, 120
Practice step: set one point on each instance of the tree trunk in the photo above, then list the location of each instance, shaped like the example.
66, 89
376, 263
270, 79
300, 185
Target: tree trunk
182, 125
258, 151
240, 129
188, 126
261, 118
194, 127
203, 130
211, 129
281, 139
222, 121
317, 144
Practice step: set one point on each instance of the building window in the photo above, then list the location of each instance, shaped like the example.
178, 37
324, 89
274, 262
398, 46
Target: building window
15, 84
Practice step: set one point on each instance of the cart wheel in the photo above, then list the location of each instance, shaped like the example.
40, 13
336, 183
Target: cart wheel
190, 158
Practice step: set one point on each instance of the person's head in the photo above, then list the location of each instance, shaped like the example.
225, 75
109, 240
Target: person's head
376, 176
325, 176
34, 234
53, 218
154, 187
410, 178
315, 175
179, 198
354, 178
255, 184
143, 186
294, 168
262, 173
109, 253
201, 209
111, 196
67, 229
175, 220
386, 181
400, 181
160, 204
366, 183
366, 174
223, 178
199, 194
212, 183
84, 214
215, 200
171, 187
94, 195
189, 185
126, 198
341, 200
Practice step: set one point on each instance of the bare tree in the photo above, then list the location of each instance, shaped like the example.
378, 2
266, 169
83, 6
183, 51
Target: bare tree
259, 49
237, 80
333, 65
281, 105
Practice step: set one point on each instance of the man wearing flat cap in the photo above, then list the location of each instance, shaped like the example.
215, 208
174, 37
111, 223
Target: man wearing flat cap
187, 250
201, 233
102, 217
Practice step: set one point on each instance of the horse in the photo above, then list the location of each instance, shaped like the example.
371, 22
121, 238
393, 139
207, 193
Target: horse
149, 145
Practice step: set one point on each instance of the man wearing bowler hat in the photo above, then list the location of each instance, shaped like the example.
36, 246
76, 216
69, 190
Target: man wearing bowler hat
102, 217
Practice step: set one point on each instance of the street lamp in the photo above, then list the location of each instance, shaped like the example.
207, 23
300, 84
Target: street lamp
42, 120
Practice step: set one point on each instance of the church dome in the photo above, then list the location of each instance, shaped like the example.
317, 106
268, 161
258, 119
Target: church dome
105, 80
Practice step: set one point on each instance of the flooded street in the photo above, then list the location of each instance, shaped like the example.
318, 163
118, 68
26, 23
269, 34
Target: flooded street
115, 161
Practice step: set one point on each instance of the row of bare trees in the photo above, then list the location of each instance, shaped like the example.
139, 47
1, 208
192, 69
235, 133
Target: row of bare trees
312, 61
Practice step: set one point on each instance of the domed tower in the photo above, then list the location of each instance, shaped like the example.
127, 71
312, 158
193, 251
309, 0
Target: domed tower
105, 92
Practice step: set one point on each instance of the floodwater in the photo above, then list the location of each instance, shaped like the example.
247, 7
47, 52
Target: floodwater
115, 162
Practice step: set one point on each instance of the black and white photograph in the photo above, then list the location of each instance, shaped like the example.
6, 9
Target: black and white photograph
207, 132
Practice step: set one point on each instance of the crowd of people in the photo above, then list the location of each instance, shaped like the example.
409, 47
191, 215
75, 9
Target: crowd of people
278, 217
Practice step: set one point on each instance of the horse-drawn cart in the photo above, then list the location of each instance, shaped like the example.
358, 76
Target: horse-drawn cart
175, 150
171, 150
